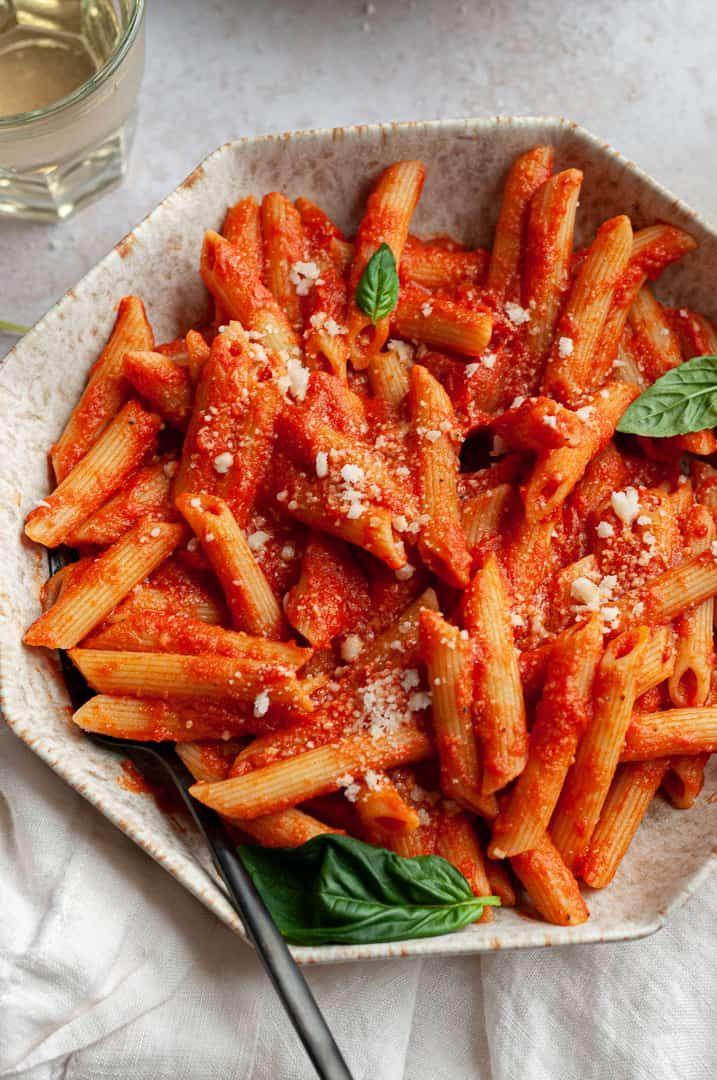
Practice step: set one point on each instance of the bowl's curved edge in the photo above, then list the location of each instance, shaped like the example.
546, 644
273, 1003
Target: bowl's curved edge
201, 883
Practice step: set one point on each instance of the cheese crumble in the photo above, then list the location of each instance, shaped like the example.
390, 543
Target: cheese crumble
223, 462
517, 314
351, 648
261, 704
626, 504
303, 276
404, 350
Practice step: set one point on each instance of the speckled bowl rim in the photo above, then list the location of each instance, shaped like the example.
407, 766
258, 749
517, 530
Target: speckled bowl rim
203, 885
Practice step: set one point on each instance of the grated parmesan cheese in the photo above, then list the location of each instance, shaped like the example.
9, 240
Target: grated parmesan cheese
303, 276
626, 504
419, 700
410, 679
261, 704
403, 349
586, 592
605, 530
322, 464
351, 648
565, 346
296, 380
517, 314
256, 540
223, 462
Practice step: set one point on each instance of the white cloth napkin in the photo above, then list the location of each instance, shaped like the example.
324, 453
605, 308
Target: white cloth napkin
110, 970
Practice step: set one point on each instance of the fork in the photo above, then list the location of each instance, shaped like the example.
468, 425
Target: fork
288, 981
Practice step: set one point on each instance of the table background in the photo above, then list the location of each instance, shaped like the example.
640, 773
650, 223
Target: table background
107, 969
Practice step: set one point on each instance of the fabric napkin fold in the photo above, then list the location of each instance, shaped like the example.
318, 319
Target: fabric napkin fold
109, 969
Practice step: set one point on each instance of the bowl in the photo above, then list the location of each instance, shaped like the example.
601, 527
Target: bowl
42, 377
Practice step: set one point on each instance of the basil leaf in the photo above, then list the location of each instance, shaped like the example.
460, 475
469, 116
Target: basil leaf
336, 889
12, 328
377, 292
682, 400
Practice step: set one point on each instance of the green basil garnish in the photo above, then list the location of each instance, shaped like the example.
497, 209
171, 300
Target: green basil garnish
682, 400
336, 889
377, 292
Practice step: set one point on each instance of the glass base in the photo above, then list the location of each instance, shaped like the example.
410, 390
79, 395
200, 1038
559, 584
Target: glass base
54, 192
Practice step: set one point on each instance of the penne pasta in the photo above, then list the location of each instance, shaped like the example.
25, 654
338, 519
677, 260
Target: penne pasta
557, 472
102, 470
180, 632
89, 598
328, 508
104, 394
381, 809
527, 175
330, 595
389, 375
546, 267
671, 733
234, 284
447, 657
653, 249
691, 679
312, 773
550, 884
324, 235
157, 721
143, 496
561, 718
497, 705
658, 350
441, 541
242, 228
438, 321
250, 599
570, 369
213, 678
482, 515
436, 267
285, 250
630, 795
457, 842
588, 782
290, 828
165, 385
685, 779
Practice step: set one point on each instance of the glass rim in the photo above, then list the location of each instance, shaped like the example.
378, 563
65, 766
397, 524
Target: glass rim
89, 85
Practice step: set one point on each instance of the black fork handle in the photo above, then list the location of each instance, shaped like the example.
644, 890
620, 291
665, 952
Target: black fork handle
288, 980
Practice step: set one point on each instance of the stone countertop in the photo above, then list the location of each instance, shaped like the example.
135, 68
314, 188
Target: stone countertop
640, 76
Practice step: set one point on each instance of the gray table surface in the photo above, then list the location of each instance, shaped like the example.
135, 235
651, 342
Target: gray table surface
641, 75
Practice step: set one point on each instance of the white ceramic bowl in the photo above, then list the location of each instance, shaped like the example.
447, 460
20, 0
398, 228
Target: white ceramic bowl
42, 377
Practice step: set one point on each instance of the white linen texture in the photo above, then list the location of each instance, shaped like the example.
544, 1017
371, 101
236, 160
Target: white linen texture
109, 970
